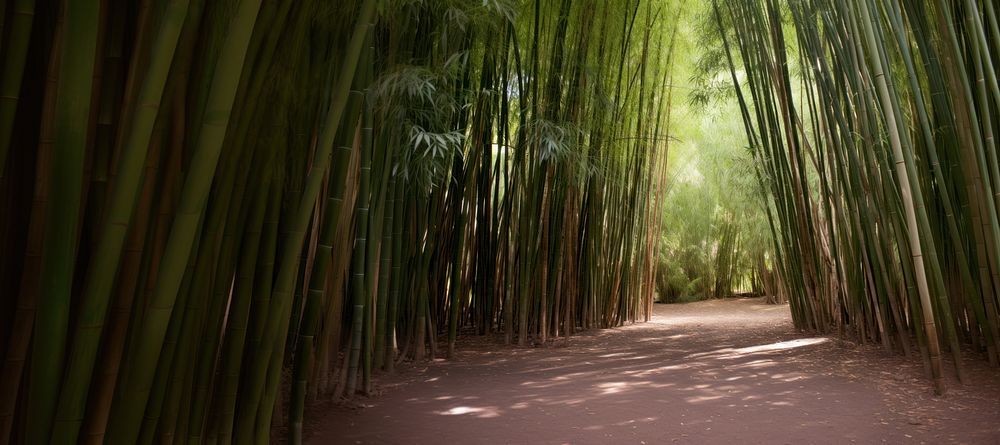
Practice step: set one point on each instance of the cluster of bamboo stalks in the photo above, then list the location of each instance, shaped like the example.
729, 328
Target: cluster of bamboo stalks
880, 157
216, 210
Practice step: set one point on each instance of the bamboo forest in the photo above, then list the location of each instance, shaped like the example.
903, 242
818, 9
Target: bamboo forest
499, 221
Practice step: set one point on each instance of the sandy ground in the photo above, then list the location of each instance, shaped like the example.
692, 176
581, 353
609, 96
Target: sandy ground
716, 372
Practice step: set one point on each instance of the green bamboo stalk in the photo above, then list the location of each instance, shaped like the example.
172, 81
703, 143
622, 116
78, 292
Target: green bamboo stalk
908, 201
324, 257
19, 343
72, 111
942, 183
275, 21
99, 284
22, 20
233, 350
192, 204
458, 243
396, 276
385, 266
285, 281
360, 284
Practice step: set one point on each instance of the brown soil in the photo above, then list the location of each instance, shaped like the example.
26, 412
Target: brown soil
722, 371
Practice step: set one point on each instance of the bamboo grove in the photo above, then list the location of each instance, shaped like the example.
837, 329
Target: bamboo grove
873, 124
215, 212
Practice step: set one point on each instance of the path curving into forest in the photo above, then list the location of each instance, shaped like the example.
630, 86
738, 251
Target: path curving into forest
721, 371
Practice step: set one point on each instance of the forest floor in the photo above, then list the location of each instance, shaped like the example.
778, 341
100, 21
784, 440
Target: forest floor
719, 371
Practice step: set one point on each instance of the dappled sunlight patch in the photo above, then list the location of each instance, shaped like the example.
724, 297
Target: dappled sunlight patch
710, 354
701, 399
553, 382
663, 369
734, 353
635, 421
614, 354
612, 387
570, 376
788, 377
762, 363
797, 343
659, 338
674, 320
482, 412
553, 368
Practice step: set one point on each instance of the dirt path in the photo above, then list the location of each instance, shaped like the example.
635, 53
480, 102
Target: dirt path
713, 372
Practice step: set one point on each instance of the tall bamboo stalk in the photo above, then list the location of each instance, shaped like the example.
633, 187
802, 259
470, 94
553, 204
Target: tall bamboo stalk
71, 122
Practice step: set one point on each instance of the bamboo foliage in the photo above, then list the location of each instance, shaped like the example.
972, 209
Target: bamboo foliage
201, 196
